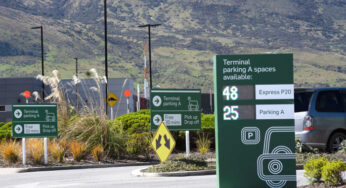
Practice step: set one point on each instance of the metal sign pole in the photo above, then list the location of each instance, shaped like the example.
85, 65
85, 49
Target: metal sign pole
127, 102
187, 140
112, 118
23, 142
138, 98
24, 153
45, 151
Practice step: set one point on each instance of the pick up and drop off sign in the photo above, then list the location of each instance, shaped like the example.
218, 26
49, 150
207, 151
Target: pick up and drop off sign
34, 120
254, 120
180, 109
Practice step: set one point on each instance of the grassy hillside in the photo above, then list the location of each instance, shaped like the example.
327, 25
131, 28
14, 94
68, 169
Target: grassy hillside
192, 32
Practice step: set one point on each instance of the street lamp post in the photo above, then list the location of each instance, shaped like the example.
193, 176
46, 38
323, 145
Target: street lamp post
42, 59
106, 51
76, 85
149, 26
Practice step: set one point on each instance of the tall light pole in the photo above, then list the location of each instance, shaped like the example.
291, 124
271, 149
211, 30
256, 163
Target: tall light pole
42, 59
77, 85
106, 51
149, 26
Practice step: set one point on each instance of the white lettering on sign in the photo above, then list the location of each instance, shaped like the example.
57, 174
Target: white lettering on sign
172, 119
275, 111
277, 91
31, 128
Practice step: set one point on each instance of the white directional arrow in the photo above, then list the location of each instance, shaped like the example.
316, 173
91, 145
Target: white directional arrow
157, 101
157, 119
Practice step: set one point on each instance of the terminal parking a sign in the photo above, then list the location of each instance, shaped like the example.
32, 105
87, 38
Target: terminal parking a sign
254, 120
34, 120
180, 109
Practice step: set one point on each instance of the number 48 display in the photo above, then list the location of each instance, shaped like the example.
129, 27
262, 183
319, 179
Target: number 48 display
231, 93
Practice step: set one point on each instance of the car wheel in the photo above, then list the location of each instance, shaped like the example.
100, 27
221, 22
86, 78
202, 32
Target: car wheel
335, 141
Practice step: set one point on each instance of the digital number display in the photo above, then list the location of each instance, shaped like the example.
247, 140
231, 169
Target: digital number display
238, 92
238, 112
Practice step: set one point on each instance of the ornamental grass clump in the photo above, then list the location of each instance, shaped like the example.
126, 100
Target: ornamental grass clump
78, 150
36, 150
97, 152
10, 151
57, 152
203, 143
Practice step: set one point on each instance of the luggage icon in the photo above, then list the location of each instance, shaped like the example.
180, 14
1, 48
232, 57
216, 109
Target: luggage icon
50, 117
193, 105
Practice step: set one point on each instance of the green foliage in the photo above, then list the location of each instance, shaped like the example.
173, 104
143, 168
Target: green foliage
139, 144
331, 172
181, 164
136, 122
5, 131
313, 169
208, 124
115, 140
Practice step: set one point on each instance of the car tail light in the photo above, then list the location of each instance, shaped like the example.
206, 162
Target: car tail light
308, 123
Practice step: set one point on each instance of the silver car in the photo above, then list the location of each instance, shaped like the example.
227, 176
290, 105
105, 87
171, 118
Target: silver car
320, 117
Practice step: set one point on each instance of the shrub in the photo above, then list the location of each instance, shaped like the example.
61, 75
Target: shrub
78, 149
136, 122
313, 169
203, 143
57, 151
331, 172
6, 131
97, 152
36, 150
10, 151
139, 144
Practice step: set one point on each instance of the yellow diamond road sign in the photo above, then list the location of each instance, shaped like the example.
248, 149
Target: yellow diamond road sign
112, 99
163, 142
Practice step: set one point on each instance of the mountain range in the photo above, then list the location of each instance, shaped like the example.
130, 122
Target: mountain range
183, 46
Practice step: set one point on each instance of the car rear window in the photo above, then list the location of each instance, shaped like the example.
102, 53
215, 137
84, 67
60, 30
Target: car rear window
302, 101
329, 101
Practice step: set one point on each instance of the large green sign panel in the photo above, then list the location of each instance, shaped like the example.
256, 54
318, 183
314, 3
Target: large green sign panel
34, 120
254, 120
180, 109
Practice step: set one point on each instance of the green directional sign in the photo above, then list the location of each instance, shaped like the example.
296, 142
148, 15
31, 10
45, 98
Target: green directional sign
34, 120
180, 109
254, 120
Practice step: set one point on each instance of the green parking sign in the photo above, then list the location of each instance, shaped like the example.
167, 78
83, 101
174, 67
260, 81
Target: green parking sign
180, 109
34, 120
254, 120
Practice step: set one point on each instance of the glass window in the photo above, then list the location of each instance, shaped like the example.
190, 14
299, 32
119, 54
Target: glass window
302, 101
329, 101
344, 98
2, 108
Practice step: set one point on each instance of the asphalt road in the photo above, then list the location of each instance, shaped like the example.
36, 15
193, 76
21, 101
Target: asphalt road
101, 177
